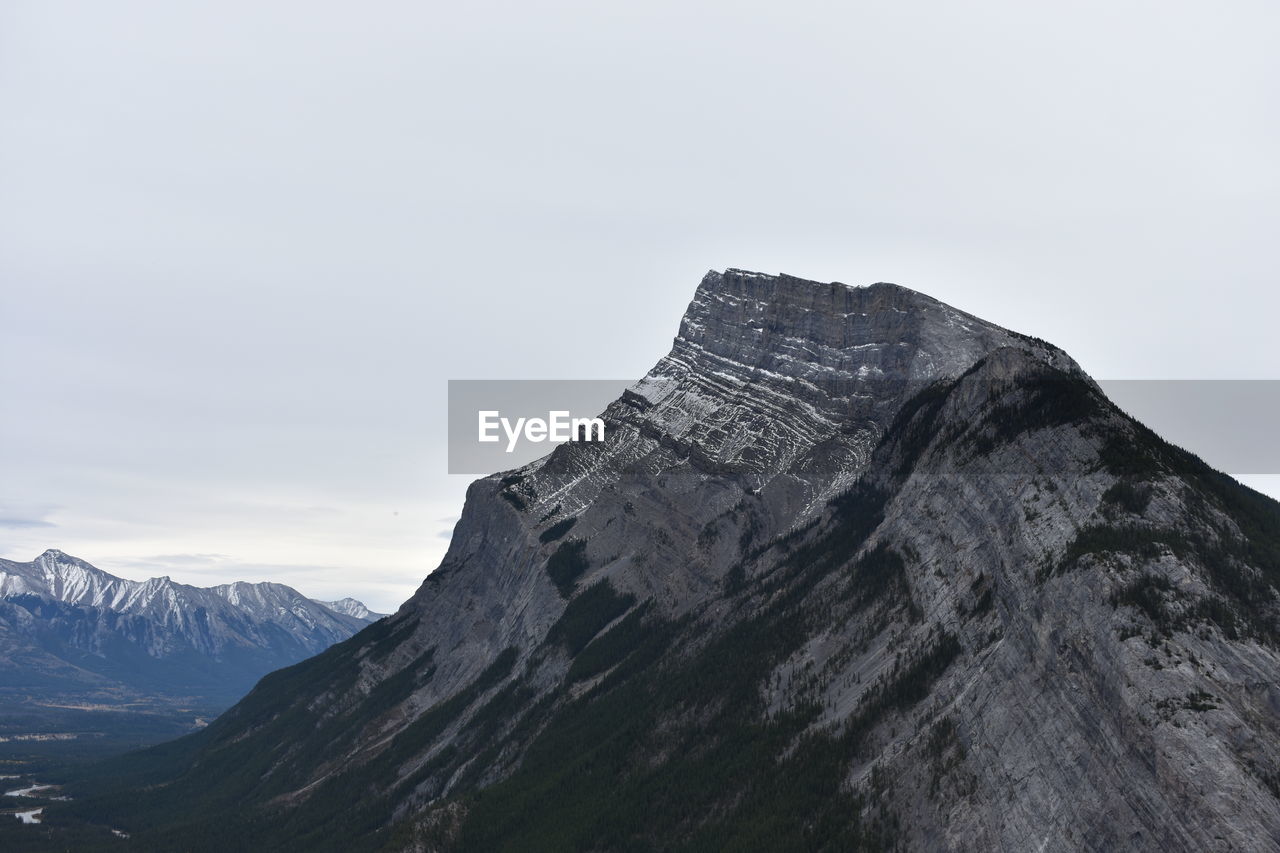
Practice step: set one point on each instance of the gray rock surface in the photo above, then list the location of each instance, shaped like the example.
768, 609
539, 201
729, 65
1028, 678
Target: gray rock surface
1043, 630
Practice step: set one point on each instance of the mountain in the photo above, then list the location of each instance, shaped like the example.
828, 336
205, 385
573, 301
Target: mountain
67, 628
852, 570
351, 607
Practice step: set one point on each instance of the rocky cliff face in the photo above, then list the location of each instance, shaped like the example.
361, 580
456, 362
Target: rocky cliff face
852, 569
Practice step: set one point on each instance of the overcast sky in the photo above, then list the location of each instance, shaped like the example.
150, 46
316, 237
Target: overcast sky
243, 245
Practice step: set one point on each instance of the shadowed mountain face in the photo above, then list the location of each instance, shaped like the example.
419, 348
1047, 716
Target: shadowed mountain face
852, 569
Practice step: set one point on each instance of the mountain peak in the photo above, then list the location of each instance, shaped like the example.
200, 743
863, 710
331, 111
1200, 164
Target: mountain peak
784, 286
351, 607
866, 550
773, 375
828, 332
54, 555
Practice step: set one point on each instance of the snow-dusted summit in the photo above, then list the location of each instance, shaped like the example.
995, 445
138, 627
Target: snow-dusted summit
351, 607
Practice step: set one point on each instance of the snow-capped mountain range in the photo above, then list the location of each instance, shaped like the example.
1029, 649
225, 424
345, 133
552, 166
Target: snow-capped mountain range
66, 623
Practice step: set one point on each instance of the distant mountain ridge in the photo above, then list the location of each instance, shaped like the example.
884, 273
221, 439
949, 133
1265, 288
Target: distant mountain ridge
351, 607
68, 625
